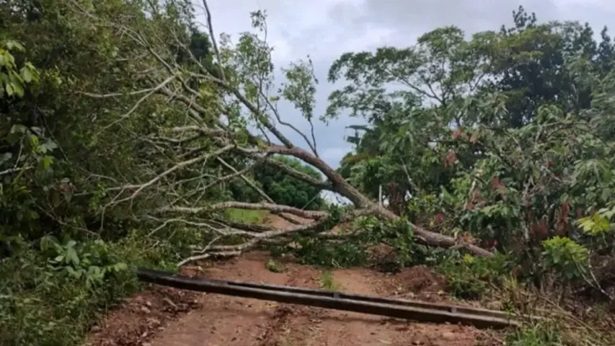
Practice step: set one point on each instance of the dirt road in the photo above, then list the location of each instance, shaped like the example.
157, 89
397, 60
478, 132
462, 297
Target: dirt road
165, 317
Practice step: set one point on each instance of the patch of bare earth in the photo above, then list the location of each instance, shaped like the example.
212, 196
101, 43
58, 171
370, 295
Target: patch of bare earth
224, 320
148, 319
141, 316
315, 326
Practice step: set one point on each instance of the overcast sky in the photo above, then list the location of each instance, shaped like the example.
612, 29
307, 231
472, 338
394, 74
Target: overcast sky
324, 29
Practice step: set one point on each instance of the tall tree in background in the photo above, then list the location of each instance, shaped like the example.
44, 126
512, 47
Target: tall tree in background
285, 189
496, 135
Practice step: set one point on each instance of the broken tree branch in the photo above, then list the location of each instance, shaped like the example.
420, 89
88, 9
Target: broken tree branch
308, 214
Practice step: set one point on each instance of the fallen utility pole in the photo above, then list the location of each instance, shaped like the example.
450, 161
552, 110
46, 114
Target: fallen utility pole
411, 310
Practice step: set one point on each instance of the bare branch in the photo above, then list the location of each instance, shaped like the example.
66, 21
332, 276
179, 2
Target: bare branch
113, 95
203, 254
138, 103
13, 170
246, 180
243, 226
234, 250
308, 214
213, 38
199, 129
260, 117
176, 167
276, 113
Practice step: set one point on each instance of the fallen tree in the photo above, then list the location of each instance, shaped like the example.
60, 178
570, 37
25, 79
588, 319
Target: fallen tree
231, 125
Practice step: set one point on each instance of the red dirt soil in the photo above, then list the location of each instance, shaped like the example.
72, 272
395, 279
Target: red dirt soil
169, 317
139, 317
149, 319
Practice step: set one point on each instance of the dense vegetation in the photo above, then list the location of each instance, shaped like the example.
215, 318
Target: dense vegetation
113, 154
64, 249
506, 138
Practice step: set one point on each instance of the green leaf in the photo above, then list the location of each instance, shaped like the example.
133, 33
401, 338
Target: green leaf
73, 272
14, 45
71, 255
26, 74
46, 162
15, 89
121, 266
9, 89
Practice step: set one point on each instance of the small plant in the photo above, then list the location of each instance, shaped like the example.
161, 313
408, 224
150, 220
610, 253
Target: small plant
274, 266
330, 254
535, 335
400, 237
601, 228
53, 295
598, 223
566, 257
327, 282
90, 262
467, 277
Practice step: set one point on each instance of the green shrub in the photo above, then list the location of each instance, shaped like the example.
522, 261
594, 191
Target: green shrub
565, 257
468, 277
90, 262
331, 254
52, 295
600, 226
400, 237
536, 335
598, 223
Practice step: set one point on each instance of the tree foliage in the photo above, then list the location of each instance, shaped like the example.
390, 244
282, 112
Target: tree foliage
503, 137
287, 190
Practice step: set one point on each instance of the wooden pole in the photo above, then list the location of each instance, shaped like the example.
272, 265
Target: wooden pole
424, 312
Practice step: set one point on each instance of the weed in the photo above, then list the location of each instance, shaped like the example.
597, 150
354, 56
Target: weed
275, 266
331, 254
327, 282
468, 276
565, 257
535, 335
